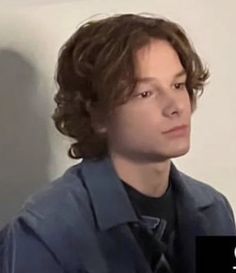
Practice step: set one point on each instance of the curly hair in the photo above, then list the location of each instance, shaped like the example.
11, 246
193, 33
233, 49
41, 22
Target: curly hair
95, 73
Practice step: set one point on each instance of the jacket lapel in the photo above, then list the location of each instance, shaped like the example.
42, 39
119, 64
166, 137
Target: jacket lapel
190, 223
114, 215
191, 220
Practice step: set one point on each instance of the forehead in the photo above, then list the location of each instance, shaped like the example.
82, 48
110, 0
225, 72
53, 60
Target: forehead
158, 59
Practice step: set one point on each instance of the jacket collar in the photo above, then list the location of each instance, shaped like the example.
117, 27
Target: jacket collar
190, 190
111, 203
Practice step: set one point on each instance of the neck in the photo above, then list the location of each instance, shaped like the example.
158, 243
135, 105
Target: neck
149, 178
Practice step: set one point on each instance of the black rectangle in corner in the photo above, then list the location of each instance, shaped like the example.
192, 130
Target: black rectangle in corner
216, 254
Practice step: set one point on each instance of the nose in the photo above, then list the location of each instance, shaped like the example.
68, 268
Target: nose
173, 105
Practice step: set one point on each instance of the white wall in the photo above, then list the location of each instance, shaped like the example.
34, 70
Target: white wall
33, 153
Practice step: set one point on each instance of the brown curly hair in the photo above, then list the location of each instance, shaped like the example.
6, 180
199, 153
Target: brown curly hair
95, 73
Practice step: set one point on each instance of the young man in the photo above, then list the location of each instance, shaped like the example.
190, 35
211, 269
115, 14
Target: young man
128, 85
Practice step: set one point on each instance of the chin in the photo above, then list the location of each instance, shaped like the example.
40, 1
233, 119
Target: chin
179, 151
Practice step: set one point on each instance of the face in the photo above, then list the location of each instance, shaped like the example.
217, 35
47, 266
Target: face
138, 129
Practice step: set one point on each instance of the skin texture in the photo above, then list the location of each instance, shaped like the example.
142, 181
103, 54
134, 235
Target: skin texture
139, 149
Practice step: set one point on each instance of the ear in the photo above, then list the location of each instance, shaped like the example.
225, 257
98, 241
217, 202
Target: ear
100, 129
98, 124
96, 118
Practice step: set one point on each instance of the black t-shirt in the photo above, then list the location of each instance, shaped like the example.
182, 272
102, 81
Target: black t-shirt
159, 207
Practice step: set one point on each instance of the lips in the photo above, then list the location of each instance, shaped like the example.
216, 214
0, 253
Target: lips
176, 129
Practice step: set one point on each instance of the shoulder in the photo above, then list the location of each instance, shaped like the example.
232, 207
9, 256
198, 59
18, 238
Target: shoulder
206, 196
64, 194
62, 205
46, 223
202, 190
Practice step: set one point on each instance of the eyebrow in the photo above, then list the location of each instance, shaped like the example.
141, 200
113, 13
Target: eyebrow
180, 74
148, 79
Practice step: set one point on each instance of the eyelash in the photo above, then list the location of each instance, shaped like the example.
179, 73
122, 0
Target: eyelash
178, 86
181, 85
140, 94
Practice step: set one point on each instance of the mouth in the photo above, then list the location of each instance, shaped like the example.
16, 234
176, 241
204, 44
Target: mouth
177, 131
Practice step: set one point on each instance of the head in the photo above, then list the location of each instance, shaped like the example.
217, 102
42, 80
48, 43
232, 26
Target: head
123, 82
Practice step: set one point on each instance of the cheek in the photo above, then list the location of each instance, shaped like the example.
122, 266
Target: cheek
138, 117
186, 104
189, 108
135, 125
135, 120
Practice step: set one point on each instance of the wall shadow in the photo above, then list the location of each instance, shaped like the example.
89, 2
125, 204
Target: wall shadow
24, 140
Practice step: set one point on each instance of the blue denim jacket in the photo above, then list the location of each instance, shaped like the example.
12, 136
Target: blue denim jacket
80, 223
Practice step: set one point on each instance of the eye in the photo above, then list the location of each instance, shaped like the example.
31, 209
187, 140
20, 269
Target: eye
180, 85
144, 94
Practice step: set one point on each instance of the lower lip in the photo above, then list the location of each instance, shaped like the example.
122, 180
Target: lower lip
178, 132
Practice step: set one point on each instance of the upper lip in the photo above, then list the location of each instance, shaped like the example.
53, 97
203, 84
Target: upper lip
175, 128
